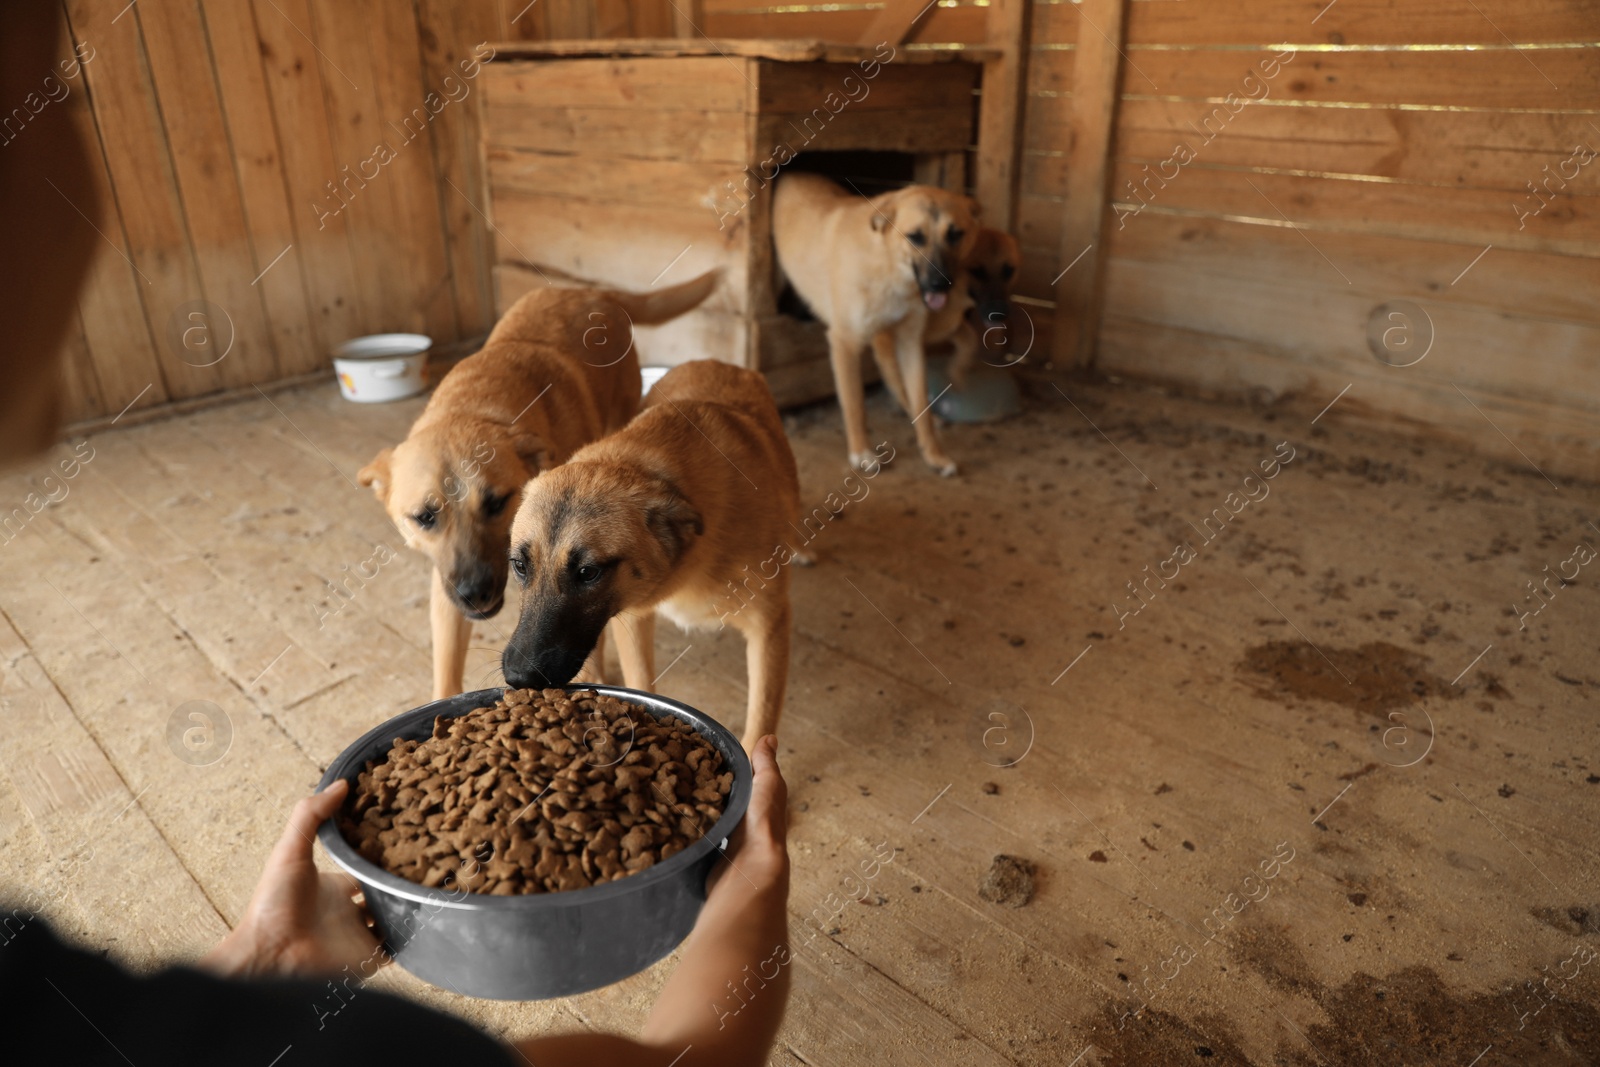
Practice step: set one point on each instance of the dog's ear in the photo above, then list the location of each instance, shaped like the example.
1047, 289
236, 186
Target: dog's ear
974, 207
376, 474
674, 522
531, 449
883, 209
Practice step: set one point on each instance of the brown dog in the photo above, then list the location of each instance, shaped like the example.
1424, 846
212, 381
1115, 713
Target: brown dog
976, 315
557, 372
678, 510
871, 267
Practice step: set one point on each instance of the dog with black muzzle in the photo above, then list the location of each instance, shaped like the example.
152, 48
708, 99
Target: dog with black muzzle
875, 267
977, 314
670, 513
557, 372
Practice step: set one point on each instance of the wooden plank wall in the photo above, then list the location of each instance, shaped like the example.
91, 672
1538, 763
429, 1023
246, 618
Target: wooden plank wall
1047, 118
1410, 175
238, 154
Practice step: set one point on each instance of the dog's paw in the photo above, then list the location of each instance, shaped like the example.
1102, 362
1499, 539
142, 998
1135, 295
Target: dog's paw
866, 463
804, 559
944, 465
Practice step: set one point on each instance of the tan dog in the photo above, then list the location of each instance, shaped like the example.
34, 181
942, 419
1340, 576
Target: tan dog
871, 267
557, 372
679, 510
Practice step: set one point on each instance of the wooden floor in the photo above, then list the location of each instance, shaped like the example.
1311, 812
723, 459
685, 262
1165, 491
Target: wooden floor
1339, 680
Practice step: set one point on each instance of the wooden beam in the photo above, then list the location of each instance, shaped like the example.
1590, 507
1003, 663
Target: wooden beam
894, 21
1095, 74
1000, 112
947, 170
688, 18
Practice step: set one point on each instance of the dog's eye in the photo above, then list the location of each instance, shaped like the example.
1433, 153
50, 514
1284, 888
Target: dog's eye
954, 235
979, 274
917, 237
519, 567
1006, 271
588, 574
425, 518
494, 505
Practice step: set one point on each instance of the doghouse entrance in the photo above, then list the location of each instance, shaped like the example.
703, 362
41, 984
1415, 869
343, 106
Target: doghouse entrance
868, 172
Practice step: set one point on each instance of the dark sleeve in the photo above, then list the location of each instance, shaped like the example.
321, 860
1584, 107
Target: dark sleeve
69, 1006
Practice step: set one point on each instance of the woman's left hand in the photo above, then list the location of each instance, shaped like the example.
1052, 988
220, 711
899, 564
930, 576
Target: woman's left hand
300, 921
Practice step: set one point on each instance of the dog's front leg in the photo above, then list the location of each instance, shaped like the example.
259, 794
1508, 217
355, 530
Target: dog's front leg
883, 352
451, 632
636, 648
767, 661
913, 358
965, 355
844, 353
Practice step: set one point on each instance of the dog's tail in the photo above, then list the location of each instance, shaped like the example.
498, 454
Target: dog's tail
659, 305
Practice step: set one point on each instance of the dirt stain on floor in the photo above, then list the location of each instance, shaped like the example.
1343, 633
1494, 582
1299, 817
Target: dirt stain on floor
1376, 677
1268, 951
1161, 1039
1575, 919
1407, 1017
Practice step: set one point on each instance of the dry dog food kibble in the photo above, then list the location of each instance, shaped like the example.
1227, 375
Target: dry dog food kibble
544, 791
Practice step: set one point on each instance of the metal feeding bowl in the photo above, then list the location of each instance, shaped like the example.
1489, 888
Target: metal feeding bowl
537, 945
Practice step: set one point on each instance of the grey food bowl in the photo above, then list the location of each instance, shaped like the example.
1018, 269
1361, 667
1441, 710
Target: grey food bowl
541, 944
990, 394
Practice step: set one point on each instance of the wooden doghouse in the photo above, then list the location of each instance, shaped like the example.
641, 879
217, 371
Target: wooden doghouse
642, 162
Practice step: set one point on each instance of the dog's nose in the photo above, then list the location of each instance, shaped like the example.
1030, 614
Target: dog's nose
479, 592
522, 677
932, 278
526, 669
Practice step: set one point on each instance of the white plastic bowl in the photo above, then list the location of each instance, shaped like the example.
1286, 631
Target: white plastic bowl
649, 376
382, 366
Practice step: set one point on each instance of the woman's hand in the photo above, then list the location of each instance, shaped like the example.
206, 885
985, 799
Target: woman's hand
758, 854
299, 921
